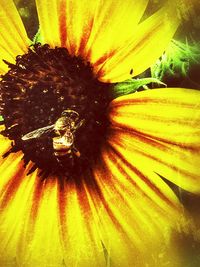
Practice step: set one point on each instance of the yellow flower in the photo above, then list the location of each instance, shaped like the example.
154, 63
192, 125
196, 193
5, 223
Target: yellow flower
117, 213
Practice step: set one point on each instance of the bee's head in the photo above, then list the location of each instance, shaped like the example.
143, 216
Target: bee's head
64, 124
69, 113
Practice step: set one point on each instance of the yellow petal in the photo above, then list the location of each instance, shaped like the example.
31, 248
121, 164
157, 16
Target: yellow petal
171, 115
13, 37
40, 242
81, 237
49, 15
65, 23
89, 29
177, 164
149, 41
79, 23
160, 130
134, 212
143, 182
114, 24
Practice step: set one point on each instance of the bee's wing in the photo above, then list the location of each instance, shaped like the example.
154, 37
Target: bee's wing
38, 132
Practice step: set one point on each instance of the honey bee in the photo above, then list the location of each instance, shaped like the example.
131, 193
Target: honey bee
64, 129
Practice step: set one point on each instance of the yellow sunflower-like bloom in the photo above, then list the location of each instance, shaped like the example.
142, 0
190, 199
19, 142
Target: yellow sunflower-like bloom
124, 211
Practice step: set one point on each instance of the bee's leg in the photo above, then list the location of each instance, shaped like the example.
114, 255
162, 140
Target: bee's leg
57, 132
60, 162
80, 124
58, 157
69, 157
76, 152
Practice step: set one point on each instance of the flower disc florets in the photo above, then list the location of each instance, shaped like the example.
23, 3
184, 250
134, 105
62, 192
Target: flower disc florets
35, 92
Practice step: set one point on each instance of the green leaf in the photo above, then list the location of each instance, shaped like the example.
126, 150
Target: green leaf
37, 38
132, 85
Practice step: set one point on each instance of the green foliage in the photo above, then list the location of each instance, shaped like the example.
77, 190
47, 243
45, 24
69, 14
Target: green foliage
132, 85
37, 38
177, 59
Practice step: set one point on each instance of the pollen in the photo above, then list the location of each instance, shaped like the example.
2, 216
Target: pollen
36, 92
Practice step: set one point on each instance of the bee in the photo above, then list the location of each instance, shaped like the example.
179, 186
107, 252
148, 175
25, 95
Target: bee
64, 129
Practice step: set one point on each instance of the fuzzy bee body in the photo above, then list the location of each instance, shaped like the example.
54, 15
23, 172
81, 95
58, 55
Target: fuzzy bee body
64, 129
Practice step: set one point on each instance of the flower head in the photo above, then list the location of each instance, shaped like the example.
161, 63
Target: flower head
92, 190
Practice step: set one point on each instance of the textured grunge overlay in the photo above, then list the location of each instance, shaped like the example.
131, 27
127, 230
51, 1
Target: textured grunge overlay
99, 133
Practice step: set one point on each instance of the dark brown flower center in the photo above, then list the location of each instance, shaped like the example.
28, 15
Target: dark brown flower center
47, 87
